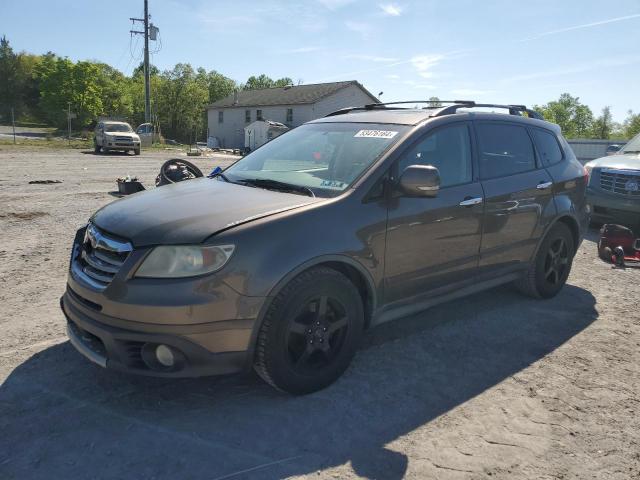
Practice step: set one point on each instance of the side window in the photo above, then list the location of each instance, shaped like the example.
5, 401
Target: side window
448, 149
258, 114
247, 116
220, 117
547, 147
504, 150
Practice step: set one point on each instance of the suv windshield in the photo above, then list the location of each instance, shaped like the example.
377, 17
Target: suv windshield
325, 158
117, 127
633, 146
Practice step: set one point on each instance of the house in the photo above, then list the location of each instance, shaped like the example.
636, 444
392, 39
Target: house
292, 105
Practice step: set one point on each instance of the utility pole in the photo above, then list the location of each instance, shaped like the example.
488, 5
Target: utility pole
69, 121
13, 122
147, 72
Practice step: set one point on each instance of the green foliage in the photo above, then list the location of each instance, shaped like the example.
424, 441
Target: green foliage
263, 81
603, 126
575, 119
631, 125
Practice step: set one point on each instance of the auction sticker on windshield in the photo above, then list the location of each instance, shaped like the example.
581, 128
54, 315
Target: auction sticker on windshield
376, 134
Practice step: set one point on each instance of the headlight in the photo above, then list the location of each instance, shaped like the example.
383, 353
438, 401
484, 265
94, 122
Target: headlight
184, 261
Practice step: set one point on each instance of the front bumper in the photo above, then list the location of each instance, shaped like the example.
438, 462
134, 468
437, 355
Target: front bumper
607, 206
127, 349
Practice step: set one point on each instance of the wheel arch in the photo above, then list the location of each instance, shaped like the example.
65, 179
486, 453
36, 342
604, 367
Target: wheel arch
349, 267
571, 222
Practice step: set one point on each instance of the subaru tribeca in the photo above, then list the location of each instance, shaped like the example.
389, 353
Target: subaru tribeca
284, 259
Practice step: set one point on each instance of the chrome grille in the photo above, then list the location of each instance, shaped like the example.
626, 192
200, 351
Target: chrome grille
621, 182
99, 258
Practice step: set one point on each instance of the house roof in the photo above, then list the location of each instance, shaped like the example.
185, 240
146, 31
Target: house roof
290, 95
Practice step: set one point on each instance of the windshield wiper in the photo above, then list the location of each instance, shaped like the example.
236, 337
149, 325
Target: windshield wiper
630, 151
277, 185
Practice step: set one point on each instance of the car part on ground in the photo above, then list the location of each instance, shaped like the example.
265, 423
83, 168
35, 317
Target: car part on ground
128, 185
618, 245
177, 170
341, 224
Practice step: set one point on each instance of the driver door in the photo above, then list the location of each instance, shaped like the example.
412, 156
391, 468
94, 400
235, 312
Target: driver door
433, 244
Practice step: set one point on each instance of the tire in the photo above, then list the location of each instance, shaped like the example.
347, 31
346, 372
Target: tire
306, 343
552, 264
136, 151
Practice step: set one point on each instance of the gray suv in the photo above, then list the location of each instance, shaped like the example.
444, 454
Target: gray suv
283, 260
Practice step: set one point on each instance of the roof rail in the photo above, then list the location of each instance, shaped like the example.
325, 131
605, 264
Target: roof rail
513, 109
451, 107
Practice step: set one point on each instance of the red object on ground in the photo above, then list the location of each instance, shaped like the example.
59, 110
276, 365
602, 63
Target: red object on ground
613, 236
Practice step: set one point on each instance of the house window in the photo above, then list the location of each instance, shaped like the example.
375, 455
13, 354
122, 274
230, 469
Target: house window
247, 116
220, 117
289, 115
258, 114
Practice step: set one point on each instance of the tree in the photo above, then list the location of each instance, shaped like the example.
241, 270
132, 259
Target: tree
10, 80
574, 118
603, 125
434, 102
219, 86
631, 125
263, 81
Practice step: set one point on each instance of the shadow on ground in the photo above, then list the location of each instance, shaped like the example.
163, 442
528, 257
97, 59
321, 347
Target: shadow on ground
62, 417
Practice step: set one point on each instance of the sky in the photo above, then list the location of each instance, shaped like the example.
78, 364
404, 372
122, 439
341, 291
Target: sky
499, 51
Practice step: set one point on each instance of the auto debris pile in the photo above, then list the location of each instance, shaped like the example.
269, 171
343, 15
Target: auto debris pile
172, 171
618, 245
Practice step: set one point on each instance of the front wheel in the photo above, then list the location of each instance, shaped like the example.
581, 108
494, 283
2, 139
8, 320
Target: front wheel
552, 264
310, 332
136, 151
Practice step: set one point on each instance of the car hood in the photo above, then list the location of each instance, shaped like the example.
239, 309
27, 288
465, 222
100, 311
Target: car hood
622, 162
122, 134
191, 211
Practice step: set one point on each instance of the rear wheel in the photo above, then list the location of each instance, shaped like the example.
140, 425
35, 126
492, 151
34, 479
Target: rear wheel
552, 265
310, 332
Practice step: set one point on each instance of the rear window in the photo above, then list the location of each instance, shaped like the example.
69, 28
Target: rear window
547, 146
504, 150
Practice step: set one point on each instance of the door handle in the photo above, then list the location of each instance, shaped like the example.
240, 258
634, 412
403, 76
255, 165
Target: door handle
469, 202
544, 185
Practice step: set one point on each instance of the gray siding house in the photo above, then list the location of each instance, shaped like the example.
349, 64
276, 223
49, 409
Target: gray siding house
292, 105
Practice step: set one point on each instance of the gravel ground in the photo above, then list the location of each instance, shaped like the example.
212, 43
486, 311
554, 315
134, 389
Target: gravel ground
494, 385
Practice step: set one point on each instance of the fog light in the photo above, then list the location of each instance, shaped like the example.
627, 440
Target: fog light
165, 356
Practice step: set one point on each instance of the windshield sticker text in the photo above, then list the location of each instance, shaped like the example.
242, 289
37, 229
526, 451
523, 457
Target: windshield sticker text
376, 134
332, 184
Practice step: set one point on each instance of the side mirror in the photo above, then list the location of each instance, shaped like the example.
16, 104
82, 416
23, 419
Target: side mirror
420, 181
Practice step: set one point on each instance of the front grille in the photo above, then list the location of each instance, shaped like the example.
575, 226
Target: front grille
621, 182
99, 257
124, 139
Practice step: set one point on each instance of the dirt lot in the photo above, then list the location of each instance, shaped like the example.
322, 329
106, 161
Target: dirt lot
495, 385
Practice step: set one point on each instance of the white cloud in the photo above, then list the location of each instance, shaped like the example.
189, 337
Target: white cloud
391, 9
370, 58
579, 27
392, 76
362, 28
424, 64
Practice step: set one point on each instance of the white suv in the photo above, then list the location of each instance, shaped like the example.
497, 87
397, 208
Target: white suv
115, 136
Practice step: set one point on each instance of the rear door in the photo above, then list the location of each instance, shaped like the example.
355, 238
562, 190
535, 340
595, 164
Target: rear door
433, 243
518, 196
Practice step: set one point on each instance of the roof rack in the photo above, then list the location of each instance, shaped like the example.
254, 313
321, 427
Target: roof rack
451, 107
513, 109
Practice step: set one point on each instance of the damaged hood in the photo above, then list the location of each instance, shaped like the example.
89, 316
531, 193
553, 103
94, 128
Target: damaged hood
191, 211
